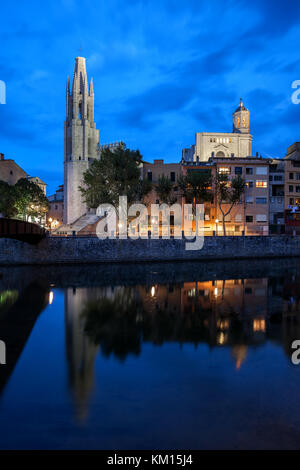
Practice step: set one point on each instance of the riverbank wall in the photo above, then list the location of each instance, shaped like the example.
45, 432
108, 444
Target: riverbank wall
81, 250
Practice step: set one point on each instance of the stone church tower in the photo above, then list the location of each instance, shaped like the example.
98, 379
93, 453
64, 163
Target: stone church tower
81, 140
241, 119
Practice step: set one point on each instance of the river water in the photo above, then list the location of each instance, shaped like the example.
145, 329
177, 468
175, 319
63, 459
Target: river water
153, 356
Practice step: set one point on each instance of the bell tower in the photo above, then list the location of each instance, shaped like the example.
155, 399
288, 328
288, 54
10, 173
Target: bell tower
241, 119
81, 140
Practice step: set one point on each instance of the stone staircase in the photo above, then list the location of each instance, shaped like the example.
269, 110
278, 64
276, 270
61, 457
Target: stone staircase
87, 220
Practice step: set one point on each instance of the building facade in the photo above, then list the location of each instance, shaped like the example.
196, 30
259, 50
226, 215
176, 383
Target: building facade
276, 184
81, 140
10, 171
251, 214
238, 143
55, 216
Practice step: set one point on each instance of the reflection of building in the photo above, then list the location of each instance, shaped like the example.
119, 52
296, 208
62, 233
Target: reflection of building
80, 351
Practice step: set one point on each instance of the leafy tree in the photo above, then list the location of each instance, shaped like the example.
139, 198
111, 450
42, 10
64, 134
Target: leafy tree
115, 174
164, 190
196, 187
29, 200
7, 199
228, 192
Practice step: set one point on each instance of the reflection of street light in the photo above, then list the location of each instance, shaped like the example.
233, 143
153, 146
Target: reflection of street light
51, 297
217, 221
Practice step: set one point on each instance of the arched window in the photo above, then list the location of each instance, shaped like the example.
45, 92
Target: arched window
220, 154
79, 112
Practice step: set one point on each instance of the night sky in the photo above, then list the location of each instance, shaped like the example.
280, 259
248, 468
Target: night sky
162, 69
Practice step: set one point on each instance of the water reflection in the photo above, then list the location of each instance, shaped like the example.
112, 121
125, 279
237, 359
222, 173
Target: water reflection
164, 356
238, 314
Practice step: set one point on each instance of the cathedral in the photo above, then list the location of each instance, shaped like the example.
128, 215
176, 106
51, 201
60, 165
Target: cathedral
237, 143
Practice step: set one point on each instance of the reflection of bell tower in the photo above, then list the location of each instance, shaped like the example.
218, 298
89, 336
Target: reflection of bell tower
241, 119
81, 352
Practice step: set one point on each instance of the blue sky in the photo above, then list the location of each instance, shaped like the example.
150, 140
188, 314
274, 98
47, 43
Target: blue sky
162, 69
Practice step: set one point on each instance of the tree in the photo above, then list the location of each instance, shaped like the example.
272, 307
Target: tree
115, 174
228, 192
29, 200
7, 199
164, 190
196, 187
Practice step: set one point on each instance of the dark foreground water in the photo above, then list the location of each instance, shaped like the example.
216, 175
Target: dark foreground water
151, 357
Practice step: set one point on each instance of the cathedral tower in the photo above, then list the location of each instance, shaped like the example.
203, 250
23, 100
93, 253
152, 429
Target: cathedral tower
241, 119
81, 140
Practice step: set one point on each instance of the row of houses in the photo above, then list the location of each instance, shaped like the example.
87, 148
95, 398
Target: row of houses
270, 204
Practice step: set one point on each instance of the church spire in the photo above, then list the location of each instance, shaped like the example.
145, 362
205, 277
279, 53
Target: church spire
91, 92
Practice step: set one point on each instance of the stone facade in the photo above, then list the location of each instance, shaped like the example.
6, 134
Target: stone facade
81, 140
222, 144
10, 171
76, 250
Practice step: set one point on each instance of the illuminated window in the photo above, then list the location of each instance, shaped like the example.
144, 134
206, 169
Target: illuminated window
249, 184
224, 170
261, 184
244, 122
259, 324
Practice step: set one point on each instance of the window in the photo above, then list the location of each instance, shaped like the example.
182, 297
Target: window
224, 171
149, 175
173, 176
249, 184
277, 178
249, 171
238, 217
249, 219
261, 184
249, 199
270, 178
261, 200
11, 172
262, 170
297, 189
291, 201
261, 218
238, 170
291, 176
291, 189
298, 176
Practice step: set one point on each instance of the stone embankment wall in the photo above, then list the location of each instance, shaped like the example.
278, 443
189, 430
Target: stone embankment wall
75, 250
